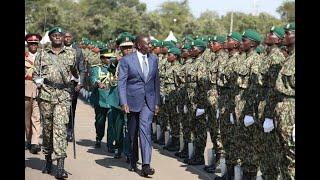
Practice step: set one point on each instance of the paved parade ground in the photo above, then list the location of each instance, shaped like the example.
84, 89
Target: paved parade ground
96, 164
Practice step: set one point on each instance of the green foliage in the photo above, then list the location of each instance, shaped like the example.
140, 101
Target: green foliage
105, 19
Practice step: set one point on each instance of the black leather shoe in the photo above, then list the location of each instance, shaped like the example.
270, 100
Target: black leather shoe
98, 144
133, 168
110, 150
35, 148
61, 173
117, 154
47, 167
147, 170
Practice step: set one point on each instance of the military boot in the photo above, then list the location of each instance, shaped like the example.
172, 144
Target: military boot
249, 176
175, 144
47, 167
196, 160
184, 152
61, 173
229, 175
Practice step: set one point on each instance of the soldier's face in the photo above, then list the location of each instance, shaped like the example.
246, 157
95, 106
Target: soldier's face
246, 44
216, 46
184, 53
68, 39
56, 38
171, 57
271, 39
164, 50
289, 38
126, 50
156, 50
32, 47
231, 44
194, 51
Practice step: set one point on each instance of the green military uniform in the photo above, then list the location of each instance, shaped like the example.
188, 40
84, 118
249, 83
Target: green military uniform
183, 101
55, 101
100, 74
248, 81
171, 87
268, 100
199, 122
285, 114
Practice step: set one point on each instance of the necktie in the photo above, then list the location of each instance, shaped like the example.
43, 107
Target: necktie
145, 67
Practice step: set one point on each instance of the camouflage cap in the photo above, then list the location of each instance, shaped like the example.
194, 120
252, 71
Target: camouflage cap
278, 31
252, 35
175, 51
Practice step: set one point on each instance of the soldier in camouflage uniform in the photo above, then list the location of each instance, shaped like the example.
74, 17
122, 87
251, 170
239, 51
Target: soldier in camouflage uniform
186, 61
53, 67
199, 122
246, 106
226, 84
164, 65
285, 110
268, 99
171, 87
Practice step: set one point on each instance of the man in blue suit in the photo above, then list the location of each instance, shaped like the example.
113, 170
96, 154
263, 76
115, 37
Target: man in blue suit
139, 92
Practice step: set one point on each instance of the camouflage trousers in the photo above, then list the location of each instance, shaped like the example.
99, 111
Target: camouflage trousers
191, 112
174, 120
55, 118
285, 118
212, 122
183, 116
269, 154
229, 130
249, 138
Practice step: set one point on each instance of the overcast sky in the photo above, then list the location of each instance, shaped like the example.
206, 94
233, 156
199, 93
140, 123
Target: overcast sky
223, 6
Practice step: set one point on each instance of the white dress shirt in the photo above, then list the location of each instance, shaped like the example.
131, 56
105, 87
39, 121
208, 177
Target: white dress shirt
139, 54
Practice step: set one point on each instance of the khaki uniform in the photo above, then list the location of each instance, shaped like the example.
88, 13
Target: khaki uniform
32, 114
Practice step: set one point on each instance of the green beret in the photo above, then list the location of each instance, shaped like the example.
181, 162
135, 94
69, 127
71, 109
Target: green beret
125, 39
156, 43
175, 51
168, 44
199, 43
235, 36
252, 35
220, 39
186, 46
278, 31
259, 49
54, 30
290, 27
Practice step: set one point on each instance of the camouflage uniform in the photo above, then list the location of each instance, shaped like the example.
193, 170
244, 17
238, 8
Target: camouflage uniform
170, 84
268, 101
285, 117
184, 100
55, 98
248, 81
226, 102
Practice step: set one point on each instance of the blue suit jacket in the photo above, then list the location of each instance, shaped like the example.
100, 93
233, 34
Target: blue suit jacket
132, 87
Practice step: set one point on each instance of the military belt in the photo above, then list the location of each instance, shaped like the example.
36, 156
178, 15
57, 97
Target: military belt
55, 85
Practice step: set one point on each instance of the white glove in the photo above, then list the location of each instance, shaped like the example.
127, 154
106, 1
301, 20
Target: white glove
199, 112
217, 114
268, 125
231, 118
185, 109
248, 120
293, 133
164, 100
177, 109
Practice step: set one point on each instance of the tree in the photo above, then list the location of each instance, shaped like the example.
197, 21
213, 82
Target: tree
287, 11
